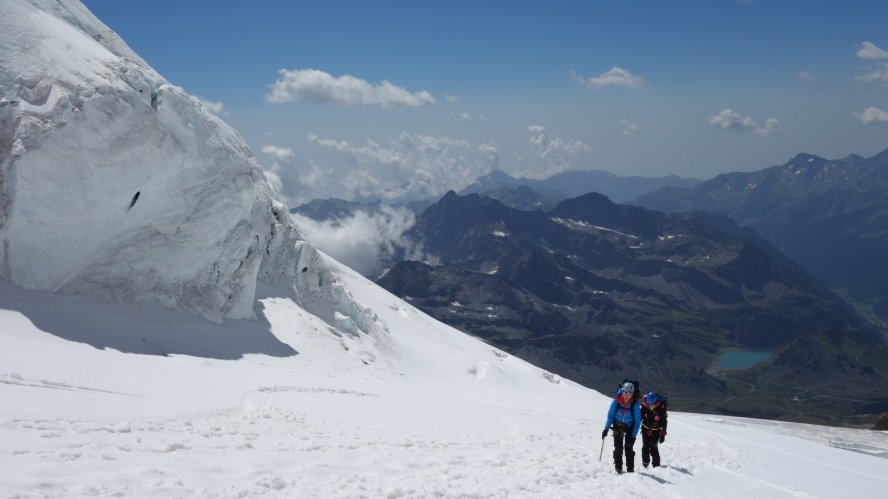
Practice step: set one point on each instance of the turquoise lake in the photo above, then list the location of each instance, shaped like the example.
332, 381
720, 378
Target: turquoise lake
743, 359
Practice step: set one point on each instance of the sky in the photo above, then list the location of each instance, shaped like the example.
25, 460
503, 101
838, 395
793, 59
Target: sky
402, 99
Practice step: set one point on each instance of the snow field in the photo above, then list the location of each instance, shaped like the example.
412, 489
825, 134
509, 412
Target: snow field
407, 415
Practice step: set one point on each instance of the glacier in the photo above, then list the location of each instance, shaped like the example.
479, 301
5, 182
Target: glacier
116, 183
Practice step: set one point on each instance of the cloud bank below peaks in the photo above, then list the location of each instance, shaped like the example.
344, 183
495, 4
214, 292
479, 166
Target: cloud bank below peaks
366, 241
345, 90
410, 167
557, 153
413, 166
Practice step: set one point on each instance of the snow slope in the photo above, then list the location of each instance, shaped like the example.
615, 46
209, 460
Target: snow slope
422, 411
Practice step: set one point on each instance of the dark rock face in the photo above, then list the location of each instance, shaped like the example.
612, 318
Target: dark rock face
831, 216
595, 291
882, 423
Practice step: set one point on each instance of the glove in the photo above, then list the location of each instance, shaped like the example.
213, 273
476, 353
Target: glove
604, 434
662, 437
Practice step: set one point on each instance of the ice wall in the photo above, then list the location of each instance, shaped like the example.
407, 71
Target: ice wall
115, 183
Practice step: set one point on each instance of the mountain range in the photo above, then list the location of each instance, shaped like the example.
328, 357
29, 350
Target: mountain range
831, 216
594, 290
575, 183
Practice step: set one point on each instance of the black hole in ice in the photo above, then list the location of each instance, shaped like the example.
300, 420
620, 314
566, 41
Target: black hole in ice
305, 269
135, 198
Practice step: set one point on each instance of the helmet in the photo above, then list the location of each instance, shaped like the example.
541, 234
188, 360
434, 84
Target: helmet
652, 398
627, 387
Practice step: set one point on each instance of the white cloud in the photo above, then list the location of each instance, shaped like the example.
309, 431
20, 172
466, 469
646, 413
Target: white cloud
556, 152
804, 75
344, 90
869, 51
771, 126
279, 153
729, 120
466, 117
874, 117
615, 77
365, 240
877, 74
451, 98
370, 152
629, 128
217, 108
295, 182
411, 166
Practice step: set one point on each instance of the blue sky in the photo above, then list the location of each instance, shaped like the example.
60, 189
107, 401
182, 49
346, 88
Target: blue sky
693, 88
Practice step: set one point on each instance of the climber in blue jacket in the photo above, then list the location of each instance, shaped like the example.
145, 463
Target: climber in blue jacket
624, 417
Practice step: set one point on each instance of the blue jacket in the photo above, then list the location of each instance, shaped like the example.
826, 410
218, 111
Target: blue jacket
629, 416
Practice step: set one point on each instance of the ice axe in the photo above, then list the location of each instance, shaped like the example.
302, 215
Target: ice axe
601, 452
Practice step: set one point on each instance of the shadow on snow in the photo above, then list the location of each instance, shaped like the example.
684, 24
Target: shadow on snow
143, 329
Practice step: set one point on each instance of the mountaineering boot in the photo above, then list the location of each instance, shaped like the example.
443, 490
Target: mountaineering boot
619, 470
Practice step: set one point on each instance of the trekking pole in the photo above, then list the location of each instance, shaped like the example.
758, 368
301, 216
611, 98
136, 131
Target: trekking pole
602, 450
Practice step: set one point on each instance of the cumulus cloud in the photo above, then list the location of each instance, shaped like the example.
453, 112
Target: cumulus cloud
869, 51
629, 128
615, 77
295, 182
411, 166
728, 119
278, 153
874, 117
556, 152
877, 72
370, 152
451, 98
217, 108
771, 126
346, 90
366, 240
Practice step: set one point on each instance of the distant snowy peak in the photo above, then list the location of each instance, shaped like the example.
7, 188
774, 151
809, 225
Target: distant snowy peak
117, 184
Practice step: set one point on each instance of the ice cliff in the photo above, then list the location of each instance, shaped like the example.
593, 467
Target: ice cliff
115, 183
